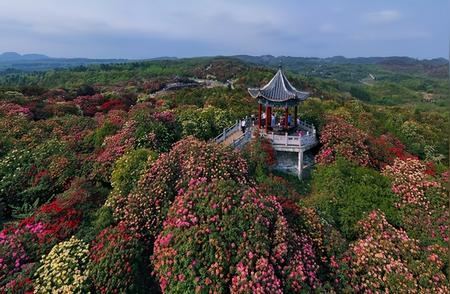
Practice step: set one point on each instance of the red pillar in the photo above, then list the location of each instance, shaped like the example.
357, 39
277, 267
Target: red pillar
259, 116
295, 116
267, 117
286, 113
270, 116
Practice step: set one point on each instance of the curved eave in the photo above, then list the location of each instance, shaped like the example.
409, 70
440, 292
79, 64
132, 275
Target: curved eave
297, 97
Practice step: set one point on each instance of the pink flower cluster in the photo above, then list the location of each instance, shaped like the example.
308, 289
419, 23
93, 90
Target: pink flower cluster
146, 207
422, 198
341, 138
12, 109
386, 259
258, 279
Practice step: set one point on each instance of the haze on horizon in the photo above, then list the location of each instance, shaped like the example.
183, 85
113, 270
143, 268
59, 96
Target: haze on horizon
145, 29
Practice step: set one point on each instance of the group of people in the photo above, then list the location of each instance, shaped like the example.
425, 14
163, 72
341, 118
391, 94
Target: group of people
279, 121
274, 121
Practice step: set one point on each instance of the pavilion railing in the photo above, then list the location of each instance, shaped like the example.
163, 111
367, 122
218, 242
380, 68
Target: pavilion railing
296, 141
227, 132
242, 140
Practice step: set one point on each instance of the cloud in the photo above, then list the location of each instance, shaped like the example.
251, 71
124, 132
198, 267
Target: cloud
142, 28
383, 16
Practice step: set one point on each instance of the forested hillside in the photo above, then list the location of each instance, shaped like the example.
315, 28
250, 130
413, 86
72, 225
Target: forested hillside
110, 183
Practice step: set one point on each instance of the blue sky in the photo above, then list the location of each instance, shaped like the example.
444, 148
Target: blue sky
145, 29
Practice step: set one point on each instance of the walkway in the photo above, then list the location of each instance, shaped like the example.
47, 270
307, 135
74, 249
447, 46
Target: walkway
232, 138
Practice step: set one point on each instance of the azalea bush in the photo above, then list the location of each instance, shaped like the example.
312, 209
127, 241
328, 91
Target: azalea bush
117, 261
260, 156
383, 150
422, 200
29, 175
144, 209
338, 137
386, 259
224, 236
64, 269
128, 169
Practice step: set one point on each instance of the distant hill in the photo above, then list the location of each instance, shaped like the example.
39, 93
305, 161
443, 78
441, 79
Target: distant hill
14, 56
12, 61
326, 67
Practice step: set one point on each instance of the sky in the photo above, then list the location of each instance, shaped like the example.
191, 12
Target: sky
185, 28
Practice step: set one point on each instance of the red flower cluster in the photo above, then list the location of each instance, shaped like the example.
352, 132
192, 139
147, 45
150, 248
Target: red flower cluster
89, 104
23, 243
115, 254
114, 104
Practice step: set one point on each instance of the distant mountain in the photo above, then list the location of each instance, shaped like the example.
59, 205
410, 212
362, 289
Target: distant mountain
14, 56
13, 61
325, 67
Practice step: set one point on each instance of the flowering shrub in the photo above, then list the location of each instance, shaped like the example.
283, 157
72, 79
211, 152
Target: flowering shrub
145, 208
12, 109
114, 104
89, 104
28, 174
128, 169
422, 200
340, 138
224, 235
114, 261
64, 269
386, 259
260, 156
113, 147
385, 149
22, 243
205, 216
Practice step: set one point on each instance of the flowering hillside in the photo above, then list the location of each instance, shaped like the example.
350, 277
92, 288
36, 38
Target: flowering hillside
109, 188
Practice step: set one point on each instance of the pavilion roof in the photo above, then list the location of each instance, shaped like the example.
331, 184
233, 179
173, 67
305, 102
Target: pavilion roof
278, 90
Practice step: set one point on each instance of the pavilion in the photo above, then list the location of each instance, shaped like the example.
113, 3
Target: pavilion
277, 93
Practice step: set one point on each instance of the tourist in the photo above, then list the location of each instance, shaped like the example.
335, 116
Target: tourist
243, 125
289, 120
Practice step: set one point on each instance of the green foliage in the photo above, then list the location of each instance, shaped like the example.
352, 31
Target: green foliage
129, 168
96, 138
204, 123
26, 175
343, 193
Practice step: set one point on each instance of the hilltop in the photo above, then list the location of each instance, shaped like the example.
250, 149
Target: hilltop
111, 180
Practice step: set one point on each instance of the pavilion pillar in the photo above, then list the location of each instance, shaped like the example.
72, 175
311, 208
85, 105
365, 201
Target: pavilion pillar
295, 116
259, 116
267, 118
300, 164
286, 113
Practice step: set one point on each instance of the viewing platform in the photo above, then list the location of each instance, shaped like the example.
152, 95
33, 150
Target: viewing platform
286, 134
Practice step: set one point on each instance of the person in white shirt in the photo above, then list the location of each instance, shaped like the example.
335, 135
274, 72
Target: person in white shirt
243, 125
